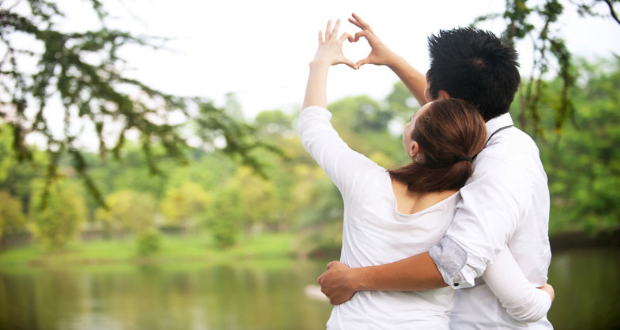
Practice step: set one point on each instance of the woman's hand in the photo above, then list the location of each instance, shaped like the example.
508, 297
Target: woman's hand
330, 49
380, 53
548, 289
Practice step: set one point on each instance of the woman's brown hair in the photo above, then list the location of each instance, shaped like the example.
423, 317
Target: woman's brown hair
449, 134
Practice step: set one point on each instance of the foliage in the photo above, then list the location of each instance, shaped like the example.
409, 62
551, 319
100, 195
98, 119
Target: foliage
11, 215
83, 70
583, 164
129, 211
183, 205
149, 242
15, 178
256, 196
548, 44
320, 217
55, 225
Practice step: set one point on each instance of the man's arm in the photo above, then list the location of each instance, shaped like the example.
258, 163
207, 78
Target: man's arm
382, 55
339, 283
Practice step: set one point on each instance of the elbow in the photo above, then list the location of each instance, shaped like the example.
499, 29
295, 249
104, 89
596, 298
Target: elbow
532, 311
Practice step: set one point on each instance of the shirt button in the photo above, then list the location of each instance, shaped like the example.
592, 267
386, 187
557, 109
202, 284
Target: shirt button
456, 284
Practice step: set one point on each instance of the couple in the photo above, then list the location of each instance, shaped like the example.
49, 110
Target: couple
412, 231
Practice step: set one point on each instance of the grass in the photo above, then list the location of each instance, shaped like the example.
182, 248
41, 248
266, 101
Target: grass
174, 249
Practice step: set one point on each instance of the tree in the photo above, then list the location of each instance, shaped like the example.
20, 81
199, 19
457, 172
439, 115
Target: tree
59, 222
128, 211
583, 163
548, 46
11, 215
83, 69
183, 205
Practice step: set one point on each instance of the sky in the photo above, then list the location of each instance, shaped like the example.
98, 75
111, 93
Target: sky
260, 50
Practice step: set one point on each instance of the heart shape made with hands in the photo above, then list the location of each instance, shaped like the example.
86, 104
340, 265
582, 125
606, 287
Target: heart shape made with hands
356, 51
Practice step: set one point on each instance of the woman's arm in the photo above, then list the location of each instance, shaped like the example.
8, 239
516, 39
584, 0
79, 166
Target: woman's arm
382, 55
522, 301
329, 53
341, 164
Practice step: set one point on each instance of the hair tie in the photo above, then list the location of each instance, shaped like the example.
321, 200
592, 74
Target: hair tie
467, 158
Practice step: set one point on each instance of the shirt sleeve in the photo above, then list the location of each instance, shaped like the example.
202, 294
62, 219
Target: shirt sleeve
340, 163
522, 301
485, 220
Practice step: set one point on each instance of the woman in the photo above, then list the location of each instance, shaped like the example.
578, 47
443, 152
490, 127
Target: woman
390, 215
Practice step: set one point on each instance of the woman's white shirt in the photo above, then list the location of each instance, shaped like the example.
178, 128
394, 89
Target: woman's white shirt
375, 233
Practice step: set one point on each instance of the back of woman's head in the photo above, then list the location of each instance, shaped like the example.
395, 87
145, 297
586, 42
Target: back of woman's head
449, 134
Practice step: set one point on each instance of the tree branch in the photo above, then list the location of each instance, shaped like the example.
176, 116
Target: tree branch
612, 11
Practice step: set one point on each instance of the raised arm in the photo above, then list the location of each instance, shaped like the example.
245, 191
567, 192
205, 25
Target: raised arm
329, 53
339, 162
382, 55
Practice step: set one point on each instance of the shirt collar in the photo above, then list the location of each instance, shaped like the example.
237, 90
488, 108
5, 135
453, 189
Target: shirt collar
498, 122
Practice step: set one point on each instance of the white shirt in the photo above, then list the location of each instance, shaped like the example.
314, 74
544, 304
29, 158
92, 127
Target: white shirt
375, 233
505, 203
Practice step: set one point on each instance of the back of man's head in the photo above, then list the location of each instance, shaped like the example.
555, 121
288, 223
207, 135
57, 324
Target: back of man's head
475, 66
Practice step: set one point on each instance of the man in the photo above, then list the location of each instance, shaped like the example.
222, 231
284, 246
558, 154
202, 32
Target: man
504, 204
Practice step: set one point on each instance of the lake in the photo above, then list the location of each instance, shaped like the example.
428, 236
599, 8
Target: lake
251, 295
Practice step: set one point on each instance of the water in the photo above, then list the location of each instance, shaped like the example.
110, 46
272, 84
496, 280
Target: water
257, 295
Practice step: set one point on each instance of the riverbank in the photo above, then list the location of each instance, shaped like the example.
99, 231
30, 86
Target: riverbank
200, 248
174, 249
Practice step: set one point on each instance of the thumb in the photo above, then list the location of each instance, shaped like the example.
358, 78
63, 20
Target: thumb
363, 61
354, 67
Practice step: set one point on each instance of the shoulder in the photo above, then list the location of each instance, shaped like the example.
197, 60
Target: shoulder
511, 161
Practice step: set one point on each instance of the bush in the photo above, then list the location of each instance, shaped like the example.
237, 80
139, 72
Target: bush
149, 242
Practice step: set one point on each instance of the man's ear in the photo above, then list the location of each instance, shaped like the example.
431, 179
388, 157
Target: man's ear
414, 150
442, 95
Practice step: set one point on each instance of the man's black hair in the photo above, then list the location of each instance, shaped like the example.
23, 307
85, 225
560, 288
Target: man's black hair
475, 66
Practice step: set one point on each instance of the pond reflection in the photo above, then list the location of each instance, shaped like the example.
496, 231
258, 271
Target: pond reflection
255, 295
157, 297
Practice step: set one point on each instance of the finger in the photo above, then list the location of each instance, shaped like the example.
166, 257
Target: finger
320, 38
361, 22
336, 27
328, 30
320, 279
329, 265
354, 22
358, 35
344, 36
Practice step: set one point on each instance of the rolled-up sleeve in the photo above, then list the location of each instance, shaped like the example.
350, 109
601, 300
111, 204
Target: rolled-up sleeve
485, 220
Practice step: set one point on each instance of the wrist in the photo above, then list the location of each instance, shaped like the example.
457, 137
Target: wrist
318, 64
357, 279
394, 61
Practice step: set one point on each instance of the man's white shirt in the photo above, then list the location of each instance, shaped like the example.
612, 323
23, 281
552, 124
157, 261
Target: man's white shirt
505, 203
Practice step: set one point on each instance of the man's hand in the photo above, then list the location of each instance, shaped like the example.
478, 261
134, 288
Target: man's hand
380, 53
337, 283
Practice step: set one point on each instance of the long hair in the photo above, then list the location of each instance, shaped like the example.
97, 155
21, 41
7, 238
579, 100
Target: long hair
449, 134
